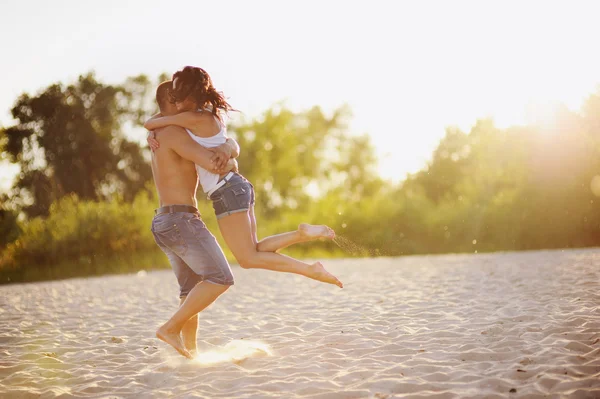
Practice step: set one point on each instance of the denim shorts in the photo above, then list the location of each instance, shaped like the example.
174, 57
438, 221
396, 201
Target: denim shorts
237, 195
193, 251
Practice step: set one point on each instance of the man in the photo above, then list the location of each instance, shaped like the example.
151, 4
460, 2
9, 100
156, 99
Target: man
197, 259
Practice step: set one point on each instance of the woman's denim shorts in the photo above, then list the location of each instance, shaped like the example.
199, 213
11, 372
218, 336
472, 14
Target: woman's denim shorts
237, 195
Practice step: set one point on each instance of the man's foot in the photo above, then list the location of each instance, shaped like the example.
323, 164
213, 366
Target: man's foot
317, 272
313, 232
192, 350
173, 339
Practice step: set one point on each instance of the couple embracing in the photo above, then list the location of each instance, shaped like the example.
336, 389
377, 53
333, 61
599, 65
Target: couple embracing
189, 145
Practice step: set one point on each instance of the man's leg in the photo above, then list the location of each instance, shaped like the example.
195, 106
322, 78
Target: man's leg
187, 279
189, 332
195, 256
198, 299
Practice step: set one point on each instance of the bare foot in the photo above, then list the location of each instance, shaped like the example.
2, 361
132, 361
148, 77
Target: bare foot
190, 345
316, 231
173, 339
317, 272
192, 350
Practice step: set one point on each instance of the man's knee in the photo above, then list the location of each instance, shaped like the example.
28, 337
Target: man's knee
225, 288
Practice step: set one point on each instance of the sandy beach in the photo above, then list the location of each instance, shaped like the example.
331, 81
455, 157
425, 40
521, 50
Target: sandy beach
504, 325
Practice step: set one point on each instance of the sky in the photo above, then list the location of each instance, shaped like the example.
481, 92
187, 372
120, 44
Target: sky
407, 69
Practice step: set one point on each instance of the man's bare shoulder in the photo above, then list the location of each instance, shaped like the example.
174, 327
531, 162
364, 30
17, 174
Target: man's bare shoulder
169, 133
170, 129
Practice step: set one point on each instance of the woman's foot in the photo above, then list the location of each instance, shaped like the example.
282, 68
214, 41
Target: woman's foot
316, 271
313, 232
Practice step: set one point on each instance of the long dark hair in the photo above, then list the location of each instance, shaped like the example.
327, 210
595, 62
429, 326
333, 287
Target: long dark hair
195, 82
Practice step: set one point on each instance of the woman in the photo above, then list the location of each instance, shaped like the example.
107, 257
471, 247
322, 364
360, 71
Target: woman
232, 195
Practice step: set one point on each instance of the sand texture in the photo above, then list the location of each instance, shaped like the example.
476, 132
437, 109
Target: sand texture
523, 325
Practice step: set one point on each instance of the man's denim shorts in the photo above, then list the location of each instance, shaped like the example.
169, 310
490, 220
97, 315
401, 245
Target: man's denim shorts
237, 195
192, 250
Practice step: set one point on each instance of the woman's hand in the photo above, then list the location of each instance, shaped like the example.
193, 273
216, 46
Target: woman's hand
230, 166
221, 156
152, 142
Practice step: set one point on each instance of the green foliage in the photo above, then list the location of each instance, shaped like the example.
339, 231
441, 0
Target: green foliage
514, 189
77, 236
283, 152
69, 140
9, 227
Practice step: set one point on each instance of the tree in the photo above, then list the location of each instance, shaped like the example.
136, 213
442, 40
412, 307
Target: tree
9, 228
70, 140
284, 152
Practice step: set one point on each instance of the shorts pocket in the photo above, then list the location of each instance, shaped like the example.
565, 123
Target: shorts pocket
219, 204
216, 196
242, 194
170, 236
165, 223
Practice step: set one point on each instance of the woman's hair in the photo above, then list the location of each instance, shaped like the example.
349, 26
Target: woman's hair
195, 82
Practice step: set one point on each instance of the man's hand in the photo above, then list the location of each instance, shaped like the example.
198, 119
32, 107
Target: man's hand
152, 142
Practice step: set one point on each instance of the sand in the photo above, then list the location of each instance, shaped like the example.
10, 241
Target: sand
521, 325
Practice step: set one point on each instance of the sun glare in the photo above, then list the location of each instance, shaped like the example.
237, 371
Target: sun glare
235, 351
543, 114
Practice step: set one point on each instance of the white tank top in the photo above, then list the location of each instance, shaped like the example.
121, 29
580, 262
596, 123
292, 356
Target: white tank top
209, 180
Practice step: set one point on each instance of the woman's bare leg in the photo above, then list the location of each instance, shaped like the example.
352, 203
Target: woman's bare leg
237, 230
253, 226
306, 232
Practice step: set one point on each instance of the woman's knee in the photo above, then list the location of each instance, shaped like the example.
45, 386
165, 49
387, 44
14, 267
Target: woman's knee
259, 247
224, 288
249, 261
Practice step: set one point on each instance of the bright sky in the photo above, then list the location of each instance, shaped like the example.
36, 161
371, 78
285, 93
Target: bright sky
407, 69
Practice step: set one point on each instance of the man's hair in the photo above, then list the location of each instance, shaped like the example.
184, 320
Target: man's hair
162, 94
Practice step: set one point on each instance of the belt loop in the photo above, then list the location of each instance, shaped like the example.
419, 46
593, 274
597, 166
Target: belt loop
170, 208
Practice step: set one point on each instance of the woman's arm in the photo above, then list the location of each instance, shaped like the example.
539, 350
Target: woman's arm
235, 147
185, 119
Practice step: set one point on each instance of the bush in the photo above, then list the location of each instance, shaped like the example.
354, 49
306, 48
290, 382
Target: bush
9, 227
83, 238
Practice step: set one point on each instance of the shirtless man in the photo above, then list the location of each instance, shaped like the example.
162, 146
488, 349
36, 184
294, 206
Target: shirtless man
197, 259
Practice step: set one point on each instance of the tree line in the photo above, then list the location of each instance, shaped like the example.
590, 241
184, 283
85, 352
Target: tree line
83, 200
